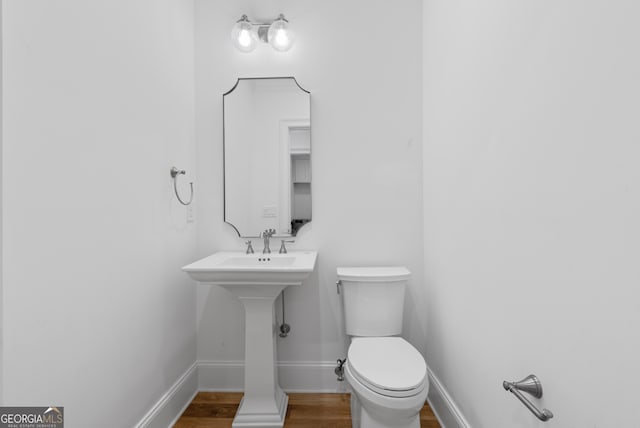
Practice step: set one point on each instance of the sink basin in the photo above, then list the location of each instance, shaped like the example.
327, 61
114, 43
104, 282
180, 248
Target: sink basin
228, 268
257, 280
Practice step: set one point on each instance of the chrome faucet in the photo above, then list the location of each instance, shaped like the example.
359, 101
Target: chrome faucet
266, 235
249, 247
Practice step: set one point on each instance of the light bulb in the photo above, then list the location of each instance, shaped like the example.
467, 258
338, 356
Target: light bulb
279, 35
282, 38
243, 36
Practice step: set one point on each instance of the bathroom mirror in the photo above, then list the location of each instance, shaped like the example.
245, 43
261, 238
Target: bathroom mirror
267, 156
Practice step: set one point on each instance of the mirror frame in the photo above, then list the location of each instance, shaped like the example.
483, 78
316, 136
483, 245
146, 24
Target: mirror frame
224, 163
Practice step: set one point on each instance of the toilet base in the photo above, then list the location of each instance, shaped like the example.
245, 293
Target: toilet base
371, 410
361, 418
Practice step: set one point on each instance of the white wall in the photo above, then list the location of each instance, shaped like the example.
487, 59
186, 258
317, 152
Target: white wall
1, 226
532, 200
98, 105
366, 94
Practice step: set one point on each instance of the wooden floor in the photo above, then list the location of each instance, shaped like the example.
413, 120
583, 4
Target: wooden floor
216, 410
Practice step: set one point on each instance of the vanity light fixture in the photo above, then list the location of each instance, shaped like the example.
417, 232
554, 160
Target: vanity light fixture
245, 34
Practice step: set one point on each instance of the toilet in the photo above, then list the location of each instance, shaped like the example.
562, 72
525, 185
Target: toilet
387, 375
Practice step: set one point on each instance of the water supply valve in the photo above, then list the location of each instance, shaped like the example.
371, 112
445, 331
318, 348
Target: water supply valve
339, 370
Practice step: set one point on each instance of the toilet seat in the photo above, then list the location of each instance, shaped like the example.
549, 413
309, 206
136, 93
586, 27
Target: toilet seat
389, 366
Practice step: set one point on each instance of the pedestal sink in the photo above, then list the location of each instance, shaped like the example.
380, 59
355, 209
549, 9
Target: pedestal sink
257, 280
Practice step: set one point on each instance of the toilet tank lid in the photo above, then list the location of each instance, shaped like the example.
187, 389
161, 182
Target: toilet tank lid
373, 274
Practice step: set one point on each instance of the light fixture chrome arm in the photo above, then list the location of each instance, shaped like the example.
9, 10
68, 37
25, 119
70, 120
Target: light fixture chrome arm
174, 174
530, 385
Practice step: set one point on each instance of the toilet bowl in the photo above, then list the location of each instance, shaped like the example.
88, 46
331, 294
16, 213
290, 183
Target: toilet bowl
388, 379
386, 374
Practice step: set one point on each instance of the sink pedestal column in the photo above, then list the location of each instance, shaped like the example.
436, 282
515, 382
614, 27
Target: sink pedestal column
264, 404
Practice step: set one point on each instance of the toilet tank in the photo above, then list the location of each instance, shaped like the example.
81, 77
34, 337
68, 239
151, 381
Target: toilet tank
373, 299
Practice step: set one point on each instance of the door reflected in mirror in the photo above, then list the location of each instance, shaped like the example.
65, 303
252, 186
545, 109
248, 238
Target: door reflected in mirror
267, 156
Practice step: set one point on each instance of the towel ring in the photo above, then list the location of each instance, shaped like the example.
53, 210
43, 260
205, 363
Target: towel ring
174, 173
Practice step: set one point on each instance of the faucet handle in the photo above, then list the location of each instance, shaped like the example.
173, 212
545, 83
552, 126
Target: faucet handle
283, 249
249, 247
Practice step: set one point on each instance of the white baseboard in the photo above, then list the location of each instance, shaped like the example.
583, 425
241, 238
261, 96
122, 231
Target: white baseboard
168, 409
304, 376
294, 376
445, 409
310, 376
220, 375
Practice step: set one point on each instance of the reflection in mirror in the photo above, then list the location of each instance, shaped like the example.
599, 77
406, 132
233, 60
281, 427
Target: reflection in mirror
267, 156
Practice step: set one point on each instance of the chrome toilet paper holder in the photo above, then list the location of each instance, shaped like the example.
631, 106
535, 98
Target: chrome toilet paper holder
531, 385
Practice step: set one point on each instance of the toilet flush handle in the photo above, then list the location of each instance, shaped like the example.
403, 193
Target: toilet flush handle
338, 285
